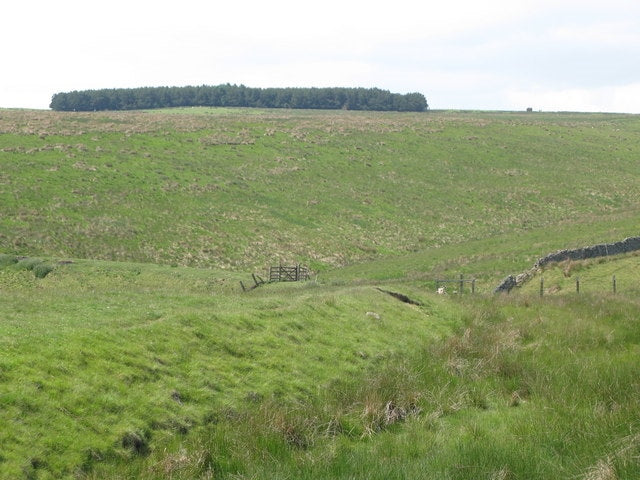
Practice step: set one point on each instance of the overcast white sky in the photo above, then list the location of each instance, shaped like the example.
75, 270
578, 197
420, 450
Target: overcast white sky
579, 55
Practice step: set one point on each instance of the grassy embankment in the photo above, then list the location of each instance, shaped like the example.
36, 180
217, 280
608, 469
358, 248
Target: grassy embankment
119, 370
138, 371
96, 353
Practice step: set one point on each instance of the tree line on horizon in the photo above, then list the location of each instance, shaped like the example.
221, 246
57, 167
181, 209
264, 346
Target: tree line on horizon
228, 95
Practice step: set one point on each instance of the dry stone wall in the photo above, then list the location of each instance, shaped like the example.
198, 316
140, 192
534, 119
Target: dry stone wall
627, 245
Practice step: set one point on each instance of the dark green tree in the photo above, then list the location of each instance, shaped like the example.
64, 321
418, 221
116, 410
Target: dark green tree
237, 96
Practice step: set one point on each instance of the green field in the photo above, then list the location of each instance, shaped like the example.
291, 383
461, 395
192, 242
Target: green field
128, 349
240, 190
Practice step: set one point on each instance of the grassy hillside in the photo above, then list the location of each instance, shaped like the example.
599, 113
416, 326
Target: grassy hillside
114, 370
243, 188
522, 390
96, 353
127, 349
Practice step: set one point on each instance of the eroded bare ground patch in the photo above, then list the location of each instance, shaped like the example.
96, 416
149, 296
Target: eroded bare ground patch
400, 296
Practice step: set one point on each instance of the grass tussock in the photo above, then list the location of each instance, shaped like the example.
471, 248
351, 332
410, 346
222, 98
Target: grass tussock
28, 264
41, 270
6, 260
39, 267
617, 464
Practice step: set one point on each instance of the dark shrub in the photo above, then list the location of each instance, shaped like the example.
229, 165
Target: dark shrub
42, 270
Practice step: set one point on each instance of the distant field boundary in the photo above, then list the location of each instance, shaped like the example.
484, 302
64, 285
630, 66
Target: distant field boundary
630, 244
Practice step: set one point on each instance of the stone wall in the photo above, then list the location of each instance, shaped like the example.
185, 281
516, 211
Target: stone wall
627, 245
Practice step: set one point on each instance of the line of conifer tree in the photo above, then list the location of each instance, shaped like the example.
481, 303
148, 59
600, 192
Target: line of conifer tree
238, 96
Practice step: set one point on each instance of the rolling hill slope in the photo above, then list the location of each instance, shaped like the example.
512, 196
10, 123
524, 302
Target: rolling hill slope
242, 189
133, 352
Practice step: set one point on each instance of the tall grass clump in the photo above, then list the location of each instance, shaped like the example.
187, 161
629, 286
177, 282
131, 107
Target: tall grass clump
39, 267
42, 270
6, 260
28, 263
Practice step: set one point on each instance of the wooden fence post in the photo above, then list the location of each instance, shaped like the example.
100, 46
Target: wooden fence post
614, 284
461, 283
541, 286
577, 284
473, 285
